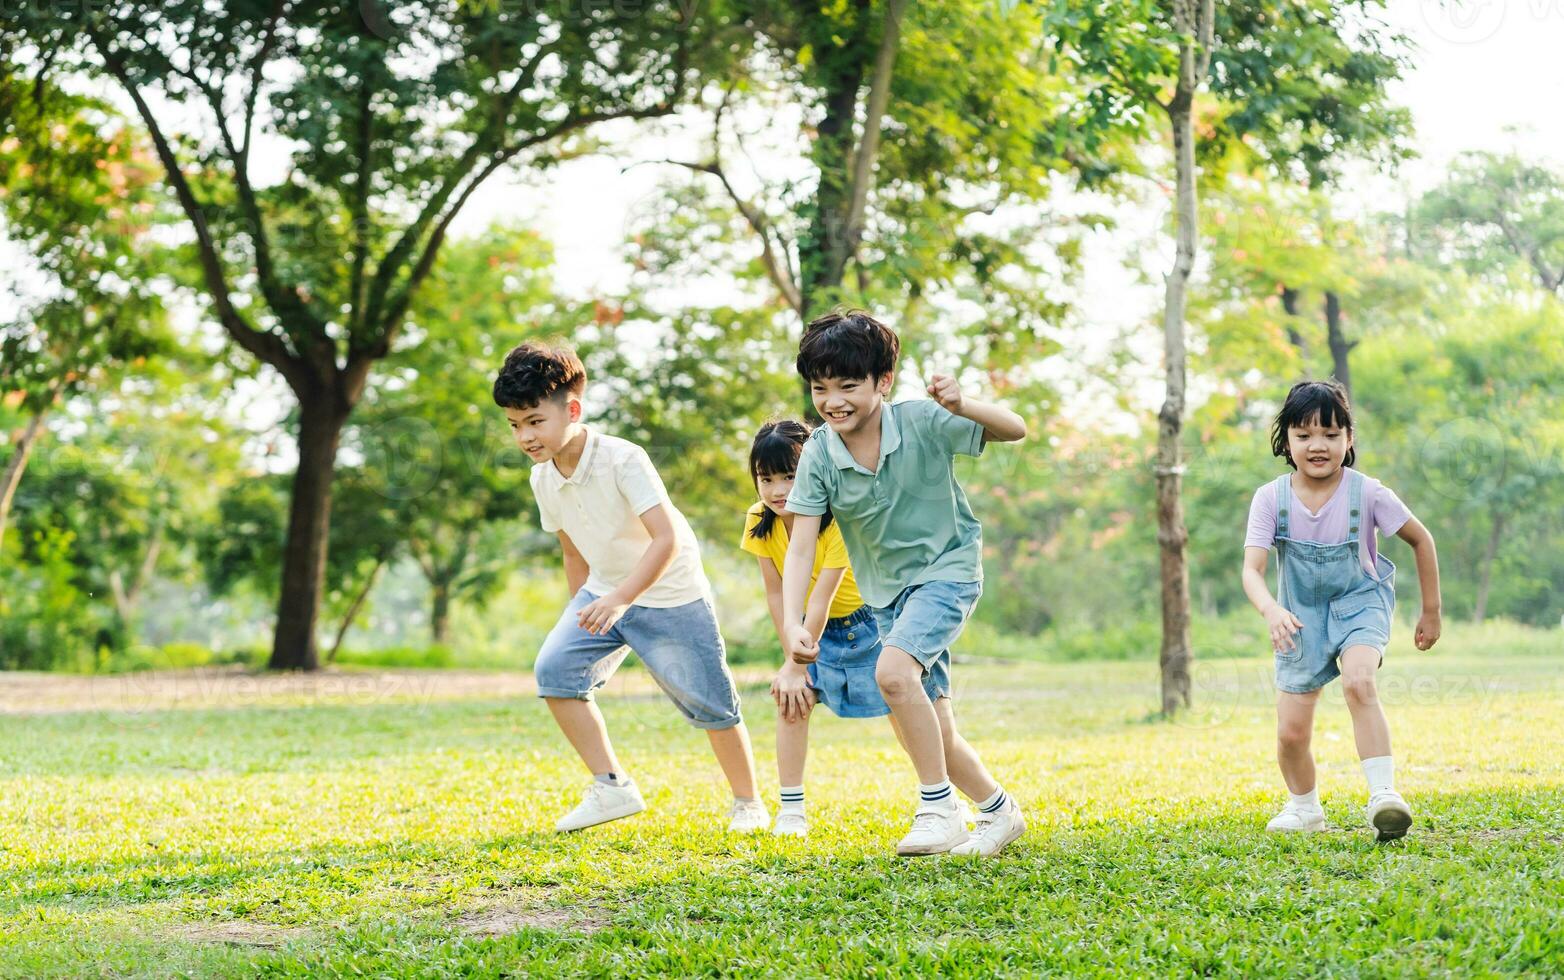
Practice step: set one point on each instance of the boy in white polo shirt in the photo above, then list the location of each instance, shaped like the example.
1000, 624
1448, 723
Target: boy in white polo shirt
634, 570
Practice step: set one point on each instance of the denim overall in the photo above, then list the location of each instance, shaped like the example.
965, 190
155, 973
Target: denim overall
1326, 586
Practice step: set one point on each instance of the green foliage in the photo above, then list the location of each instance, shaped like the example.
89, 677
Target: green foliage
46, 622
1494, 211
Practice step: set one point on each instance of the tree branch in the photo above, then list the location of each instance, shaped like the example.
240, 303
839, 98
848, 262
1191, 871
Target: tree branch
874, 115
265, 345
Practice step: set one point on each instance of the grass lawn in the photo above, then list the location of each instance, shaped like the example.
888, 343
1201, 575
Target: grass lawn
398, 824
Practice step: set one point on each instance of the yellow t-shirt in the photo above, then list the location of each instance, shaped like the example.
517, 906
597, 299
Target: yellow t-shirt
830, 552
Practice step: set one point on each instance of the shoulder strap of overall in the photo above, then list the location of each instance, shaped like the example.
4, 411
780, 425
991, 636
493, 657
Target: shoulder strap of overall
1354, 504
1283, 503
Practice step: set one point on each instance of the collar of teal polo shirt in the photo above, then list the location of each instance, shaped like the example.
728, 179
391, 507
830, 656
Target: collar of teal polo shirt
890, 439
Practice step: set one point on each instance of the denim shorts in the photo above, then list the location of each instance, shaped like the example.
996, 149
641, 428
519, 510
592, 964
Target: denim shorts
680, 646
843, 675
925, 620
1359, 617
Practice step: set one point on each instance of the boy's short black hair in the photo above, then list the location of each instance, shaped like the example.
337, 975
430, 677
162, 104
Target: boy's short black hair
847, 344
534, 372
1306, 402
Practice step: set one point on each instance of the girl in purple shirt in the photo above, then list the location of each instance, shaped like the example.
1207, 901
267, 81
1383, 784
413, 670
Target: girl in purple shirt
1336, 593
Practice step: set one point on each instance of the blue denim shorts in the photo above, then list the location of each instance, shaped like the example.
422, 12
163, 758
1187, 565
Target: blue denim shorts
680, 646
925, 620
1361, 617
843, 675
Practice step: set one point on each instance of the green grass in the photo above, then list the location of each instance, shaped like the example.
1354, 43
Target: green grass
329, 832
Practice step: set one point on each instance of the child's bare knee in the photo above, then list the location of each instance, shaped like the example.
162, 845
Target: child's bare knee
1293, 735
1360, 688
896, 676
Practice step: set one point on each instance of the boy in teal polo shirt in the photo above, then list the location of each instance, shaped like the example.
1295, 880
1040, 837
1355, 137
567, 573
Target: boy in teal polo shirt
886, 473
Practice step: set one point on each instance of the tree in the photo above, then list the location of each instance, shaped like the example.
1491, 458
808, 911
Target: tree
436, 450
1495, 209
76, 194
920, 121
390, 126
1277, 72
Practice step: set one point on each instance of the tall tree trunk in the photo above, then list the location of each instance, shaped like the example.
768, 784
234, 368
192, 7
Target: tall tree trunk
295, 645
12, 477
1340, 346
352, 613
1294, 335
440, 614
1196, 24
1485, 575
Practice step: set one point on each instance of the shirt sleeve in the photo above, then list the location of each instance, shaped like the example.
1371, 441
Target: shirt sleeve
1389, 512
638, 480
546, 515
1262, 518
833, 548
810, 495
748, 543
956, 434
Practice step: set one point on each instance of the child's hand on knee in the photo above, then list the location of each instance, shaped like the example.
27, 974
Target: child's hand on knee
790, 690
1283, 624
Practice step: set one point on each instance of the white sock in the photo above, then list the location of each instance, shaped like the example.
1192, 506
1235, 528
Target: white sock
938, 794
792, 799
1307, 801
612, 778
994, 802
1380, 772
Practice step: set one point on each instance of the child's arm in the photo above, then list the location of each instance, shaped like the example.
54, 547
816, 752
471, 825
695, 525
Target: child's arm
577, 571
1428, 625
999, 423
820, 598
602, 613
1283, 624
790, 688
799, 642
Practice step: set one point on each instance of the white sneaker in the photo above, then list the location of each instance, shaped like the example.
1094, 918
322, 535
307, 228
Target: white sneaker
603, 802
968, 816
1389, 815
935, 830
791, 823
748, 817
1297, 819
995, 831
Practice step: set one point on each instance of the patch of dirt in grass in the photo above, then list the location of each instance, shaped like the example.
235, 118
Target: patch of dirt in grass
239, 932
501, 920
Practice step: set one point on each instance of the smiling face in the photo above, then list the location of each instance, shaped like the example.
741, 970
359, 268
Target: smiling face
848, 404
1318, 450
542, 430
773, 489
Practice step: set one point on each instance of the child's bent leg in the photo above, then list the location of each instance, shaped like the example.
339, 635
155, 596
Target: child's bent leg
583, 726
900, 677
731, 746
1369, 728
1294, 730
966, 769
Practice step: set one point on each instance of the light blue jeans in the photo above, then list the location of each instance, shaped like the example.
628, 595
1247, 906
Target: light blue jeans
680, 646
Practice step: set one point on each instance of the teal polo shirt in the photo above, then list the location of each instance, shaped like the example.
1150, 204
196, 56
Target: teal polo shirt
908, 522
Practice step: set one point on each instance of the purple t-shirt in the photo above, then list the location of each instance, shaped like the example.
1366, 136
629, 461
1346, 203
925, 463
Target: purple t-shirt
1329, 526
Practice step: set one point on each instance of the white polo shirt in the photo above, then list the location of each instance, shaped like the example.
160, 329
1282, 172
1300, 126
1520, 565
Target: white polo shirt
600, 508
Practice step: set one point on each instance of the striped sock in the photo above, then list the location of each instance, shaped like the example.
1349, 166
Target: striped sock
792, 798
993, 803
939, 794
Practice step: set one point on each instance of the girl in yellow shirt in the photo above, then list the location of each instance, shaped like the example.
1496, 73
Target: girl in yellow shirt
843, 675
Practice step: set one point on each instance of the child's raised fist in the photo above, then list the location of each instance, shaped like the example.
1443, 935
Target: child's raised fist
944, 390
